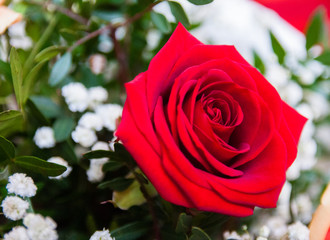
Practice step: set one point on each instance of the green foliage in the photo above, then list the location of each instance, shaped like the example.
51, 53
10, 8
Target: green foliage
7, 150
160, 22
62, 128
17, 75
11, 121
131, 231
117, 184
49, 53
60, 69
198, 234
200, 2
184, 223
258, 63
316, 29
324, 58
38, 165
179, 13
277, 48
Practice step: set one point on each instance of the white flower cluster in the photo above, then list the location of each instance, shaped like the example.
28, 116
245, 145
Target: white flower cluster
79, 98
15, 208
39, 227
44, 137
105, 116
102, 235
60, 161
21, 185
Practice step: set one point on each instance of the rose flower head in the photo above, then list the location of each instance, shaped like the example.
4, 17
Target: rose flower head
208, 130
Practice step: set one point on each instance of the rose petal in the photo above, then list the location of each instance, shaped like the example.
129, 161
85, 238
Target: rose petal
161, 65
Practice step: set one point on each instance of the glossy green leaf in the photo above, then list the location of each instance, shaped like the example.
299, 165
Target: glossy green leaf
38, 165
46, 106
10, 121
200, 2
112, 166
198, 234
99, 154
17, 75
60, 69
49, 53
277, 48
62, 128
179, 13
315, 31
184, 223
28, 82
131, 231
324, 58
117, 184
160, 22
7, 149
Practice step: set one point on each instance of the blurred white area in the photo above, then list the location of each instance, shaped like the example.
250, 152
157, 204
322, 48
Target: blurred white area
244, 24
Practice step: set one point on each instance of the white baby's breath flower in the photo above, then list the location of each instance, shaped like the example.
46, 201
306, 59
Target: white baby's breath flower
17, 233
60, 161
231, 235
95, 173
21, 185
14, 208
96, 96
40, 228
76, 96
109, 113
302, 207
264, 231
44, 137
101, 235
91, 121
298, 231
278, 227
84, 136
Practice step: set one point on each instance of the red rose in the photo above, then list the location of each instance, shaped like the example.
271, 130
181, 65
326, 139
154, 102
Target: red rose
207, 128
297, 12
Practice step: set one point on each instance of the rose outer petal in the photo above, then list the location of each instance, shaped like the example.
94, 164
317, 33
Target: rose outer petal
161, 65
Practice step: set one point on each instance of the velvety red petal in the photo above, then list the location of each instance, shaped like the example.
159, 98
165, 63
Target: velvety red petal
148, 160
161, 65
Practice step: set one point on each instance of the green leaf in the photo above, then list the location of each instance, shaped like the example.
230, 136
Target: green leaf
277, 48
179, 13
184, 223
63, 128
29, 81
38, 165
49, 53
99, 154
160, 22
46, 106
258, 63
7, 149
10, 121
117, 184
200, 2
131, 231
17, 75
132, 196
324, 58
5, 70
112, 166
315, 31
198, 234
61, 69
